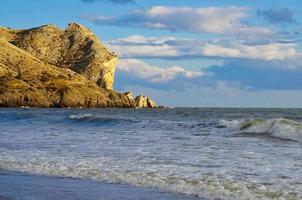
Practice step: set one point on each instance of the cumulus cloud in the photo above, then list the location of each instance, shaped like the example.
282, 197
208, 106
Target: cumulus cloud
249, 74
155, 74
217, 20
136, 72
138, 46
233, 81
277, 16
112, 1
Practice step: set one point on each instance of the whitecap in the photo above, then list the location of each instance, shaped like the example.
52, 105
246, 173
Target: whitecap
81, 117
281, 127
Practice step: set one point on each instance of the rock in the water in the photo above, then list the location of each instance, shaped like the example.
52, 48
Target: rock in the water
50, 67
142, 101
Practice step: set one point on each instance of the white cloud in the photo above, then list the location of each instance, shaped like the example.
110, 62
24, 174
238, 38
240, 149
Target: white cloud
138, 46
175, 85
274, 51
211, 20
216, 20
154, 74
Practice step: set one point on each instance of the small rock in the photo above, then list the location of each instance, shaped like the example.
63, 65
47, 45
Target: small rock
142, 101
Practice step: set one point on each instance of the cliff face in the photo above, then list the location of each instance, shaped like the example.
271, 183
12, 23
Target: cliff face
76, 48
50, 67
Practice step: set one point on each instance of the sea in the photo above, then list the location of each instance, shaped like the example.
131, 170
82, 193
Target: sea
170, 153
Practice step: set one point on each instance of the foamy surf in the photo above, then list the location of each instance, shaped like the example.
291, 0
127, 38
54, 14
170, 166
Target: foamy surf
210, 186
280, 128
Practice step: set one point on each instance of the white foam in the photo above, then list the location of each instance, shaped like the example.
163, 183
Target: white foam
281, 128
234, 124
210, 186
79, 117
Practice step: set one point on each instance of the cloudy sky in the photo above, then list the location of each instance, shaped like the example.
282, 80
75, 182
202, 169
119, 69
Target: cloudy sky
209, 53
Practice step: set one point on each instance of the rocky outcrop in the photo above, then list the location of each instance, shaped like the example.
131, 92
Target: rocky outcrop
50, 67
142, 101
27, 81
129, 95
75, 48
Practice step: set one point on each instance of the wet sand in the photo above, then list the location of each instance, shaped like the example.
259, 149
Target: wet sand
21, 186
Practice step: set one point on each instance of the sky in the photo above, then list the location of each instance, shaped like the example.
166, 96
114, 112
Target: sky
190, 53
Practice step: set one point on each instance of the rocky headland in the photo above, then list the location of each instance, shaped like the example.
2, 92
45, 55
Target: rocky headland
50, 67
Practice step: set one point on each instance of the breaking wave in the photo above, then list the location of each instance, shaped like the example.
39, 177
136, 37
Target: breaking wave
100, 120
280, 128
211, 186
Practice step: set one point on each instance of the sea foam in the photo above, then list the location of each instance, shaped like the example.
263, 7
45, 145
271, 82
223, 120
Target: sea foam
280, 128
100, 119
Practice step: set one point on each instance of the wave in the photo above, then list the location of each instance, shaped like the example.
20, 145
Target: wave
209, 186
81, 117
100, 120
142, 123
280, 128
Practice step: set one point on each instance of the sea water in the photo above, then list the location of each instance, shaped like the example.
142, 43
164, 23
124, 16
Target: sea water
211, 153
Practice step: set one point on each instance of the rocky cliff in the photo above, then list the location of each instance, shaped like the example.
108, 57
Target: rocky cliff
50, 67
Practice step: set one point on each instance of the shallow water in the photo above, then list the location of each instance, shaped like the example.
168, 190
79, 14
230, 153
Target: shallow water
21, 186
210, 153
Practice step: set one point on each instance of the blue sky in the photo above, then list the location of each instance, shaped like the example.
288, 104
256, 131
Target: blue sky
220, 53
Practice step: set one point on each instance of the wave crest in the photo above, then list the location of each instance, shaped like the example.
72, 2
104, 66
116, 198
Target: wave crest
81, 117
280, 128
100, 120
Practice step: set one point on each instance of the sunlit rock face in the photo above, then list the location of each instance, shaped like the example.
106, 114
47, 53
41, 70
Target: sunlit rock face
142, 101
50, 67
76, 48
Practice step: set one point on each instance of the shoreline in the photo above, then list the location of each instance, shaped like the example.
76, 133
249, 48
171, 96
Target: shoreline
19, 185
